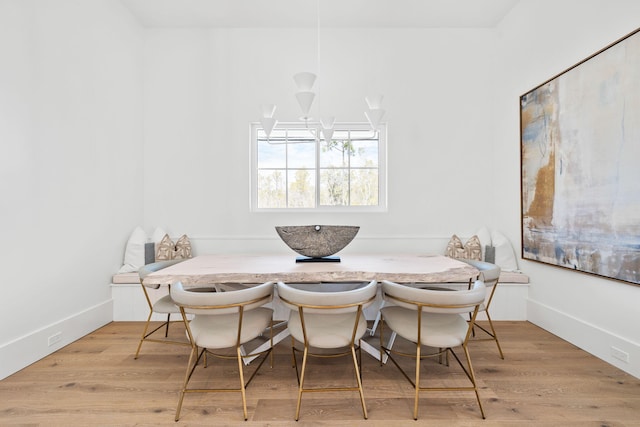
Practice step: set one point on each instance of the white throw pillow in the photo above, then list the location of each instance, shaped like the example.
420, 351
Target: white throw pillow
158, 235
505, 255
134, 251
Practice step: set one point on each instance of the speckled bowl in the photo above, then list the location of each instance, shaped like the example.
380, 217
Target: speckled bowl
317, 241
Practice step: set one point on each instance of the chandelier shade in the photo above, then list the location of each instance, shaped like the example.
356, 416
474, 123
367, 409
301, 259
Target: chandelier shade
374, 102
268, 123
305, 99
267, 120
375, 113
327, 127
374, 117
268, 110
304, 81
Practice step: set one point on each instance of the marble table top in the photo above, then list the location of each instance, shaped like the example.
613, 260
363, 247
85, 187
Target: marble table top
260, 268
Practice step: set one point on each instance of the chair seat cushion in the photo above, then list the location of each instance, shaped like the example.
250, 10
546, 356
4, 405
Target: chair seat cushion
327, 330
439, 330
165, 305
221, 331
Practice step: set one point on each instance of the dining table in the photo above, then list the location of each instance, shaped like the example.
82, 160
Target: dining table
261, 268
251, 269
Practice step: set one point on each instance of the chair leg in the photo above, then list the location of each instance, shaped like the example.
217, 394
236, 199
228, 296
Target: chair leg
294, 362
166, 331
473, 329
301, 385
359, 379
392, 340
493, 334
144, 334
417, 383
241, 370
472, 377
382, 352
187, 377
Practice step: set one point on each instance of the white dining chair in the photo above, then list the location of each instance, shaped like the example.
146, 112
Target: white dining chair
224, 320
327, 324
433, 319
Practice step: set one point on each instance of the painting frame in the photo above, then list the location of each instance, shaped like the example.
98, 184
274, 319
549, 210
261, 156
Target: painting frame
580, 189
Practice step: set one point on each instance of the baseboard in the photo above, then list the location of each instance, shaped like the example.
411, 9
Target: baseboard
24, 351
594, 340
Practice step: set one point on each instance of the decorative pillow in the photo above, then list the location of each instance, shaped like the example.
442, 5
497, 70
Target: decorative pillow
156, 238
164, 250
470, 250
183, 248
455, 248
168, 250
473, 249
134, 251
505, 256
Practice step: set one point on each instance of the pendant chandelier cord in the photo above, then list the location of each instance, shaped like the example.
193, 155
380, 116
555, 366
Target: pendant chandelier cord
318, 54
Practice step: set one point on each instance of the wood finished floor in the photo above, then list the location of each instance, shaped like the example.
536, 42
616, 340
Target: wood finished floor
543, 381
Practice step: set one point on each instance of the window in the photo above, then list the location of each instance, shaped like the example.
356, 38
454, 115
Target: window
294, 170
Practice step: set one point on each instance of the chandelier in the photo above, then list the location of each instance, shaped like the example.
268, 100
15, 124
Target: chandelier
305, 96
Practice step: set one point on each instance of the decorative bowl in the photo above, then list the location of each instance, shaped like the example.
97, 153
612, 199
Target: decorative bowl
317, 241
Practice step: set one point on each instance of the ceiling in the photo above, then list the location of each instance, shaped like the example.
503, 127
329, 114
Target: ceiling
333, 13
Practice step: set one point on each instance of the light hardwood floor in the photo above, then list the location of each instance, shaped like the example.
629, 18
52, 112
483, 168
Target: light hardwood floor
543, 381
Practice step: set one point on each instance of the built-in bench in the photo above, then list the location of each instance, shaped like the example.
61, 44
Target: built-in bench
509, 301
125, 278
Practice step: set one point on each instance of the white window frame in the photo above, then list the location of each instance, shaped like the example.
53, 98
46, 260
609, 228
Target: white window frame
314, 127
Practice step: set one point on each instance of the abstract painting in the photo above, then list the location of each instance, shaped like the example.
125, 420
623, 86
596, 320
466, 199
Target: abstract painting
580, 165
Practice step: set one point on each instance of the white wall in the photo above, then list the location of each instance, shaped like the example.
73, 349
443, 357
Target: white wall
203, 89
70, 167
540, 39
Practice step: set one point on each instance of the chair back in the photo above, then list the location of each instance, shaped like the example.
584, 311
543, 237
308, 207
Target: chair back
145, 270
434, 301
489, 272
328, 320
216, 303
320, 302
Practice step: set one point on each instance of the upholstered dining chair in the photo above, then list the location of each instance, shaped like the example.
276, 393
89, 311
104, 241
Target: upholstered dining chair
224, 320
164, 305
431, 318
490, 275
327, 322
